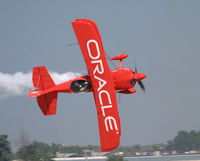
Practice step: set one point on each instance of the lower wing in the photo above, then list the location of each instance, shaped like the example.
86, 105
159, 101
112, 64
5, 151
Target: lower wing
103, 87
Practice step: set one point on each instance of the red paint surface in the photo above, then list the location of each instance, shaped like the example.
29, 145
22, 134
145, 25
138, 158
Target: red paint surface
103, 81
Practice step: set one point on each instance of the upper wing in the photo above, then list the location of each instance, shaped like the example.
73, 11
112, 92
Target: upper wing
103, 87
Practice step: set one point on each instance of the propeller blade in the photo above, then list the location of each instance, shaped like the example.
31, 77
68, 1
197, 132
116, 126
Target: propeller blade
141, 85
134, 81
136, 69
139, 82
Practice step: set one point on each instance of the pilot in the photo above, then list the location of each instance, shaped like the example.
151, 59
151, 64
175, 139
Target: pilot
83, 86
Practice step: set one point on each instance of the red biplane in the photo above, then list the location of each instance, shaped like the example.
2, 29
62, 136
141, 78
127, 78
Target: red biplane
101, 81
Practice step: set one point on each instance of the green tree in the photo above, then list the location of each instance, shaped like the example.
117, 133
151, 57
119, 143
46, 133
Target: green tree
136, 148
73, 149
170, 146
35, 151
185, 141
115, 158
5, 151
181, 142
194, 140
156, 147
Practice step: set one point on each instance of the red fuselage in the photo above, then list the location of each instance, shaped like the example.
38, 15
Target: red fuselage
122, 79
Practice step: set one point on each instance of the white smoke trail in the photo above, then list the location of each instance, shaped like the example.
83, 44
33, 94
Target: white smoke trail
20, 83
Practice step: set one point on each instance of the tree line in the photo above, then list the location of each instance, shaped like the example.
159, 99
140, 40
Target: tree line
183, 142
34, 151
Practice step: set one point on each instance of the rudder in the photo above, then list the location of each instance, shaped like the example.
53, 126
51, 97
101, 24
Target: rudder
41, 78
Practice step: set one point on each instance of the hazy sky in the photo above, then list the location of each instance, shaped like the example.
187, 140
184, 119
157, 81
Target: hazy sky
162, 37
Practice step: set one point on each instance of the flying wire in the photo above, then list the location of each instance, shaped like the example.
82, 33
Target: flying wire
71, 44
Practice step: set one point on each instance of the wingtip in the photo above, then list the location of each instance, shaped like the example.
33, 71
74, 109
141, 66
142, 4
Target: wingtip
106, 148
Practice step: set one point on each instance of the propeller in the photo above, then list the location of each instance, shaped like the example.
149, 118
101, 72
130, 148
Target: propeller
139, 82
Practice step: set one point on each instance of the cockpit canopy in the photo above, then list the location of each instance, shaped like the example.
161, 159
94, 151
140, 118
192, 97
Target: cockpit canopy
80, 86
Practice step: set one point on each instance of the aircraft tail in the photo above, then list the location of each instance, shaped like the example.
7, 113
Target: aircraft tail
48, 103
41, 78
42, 81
